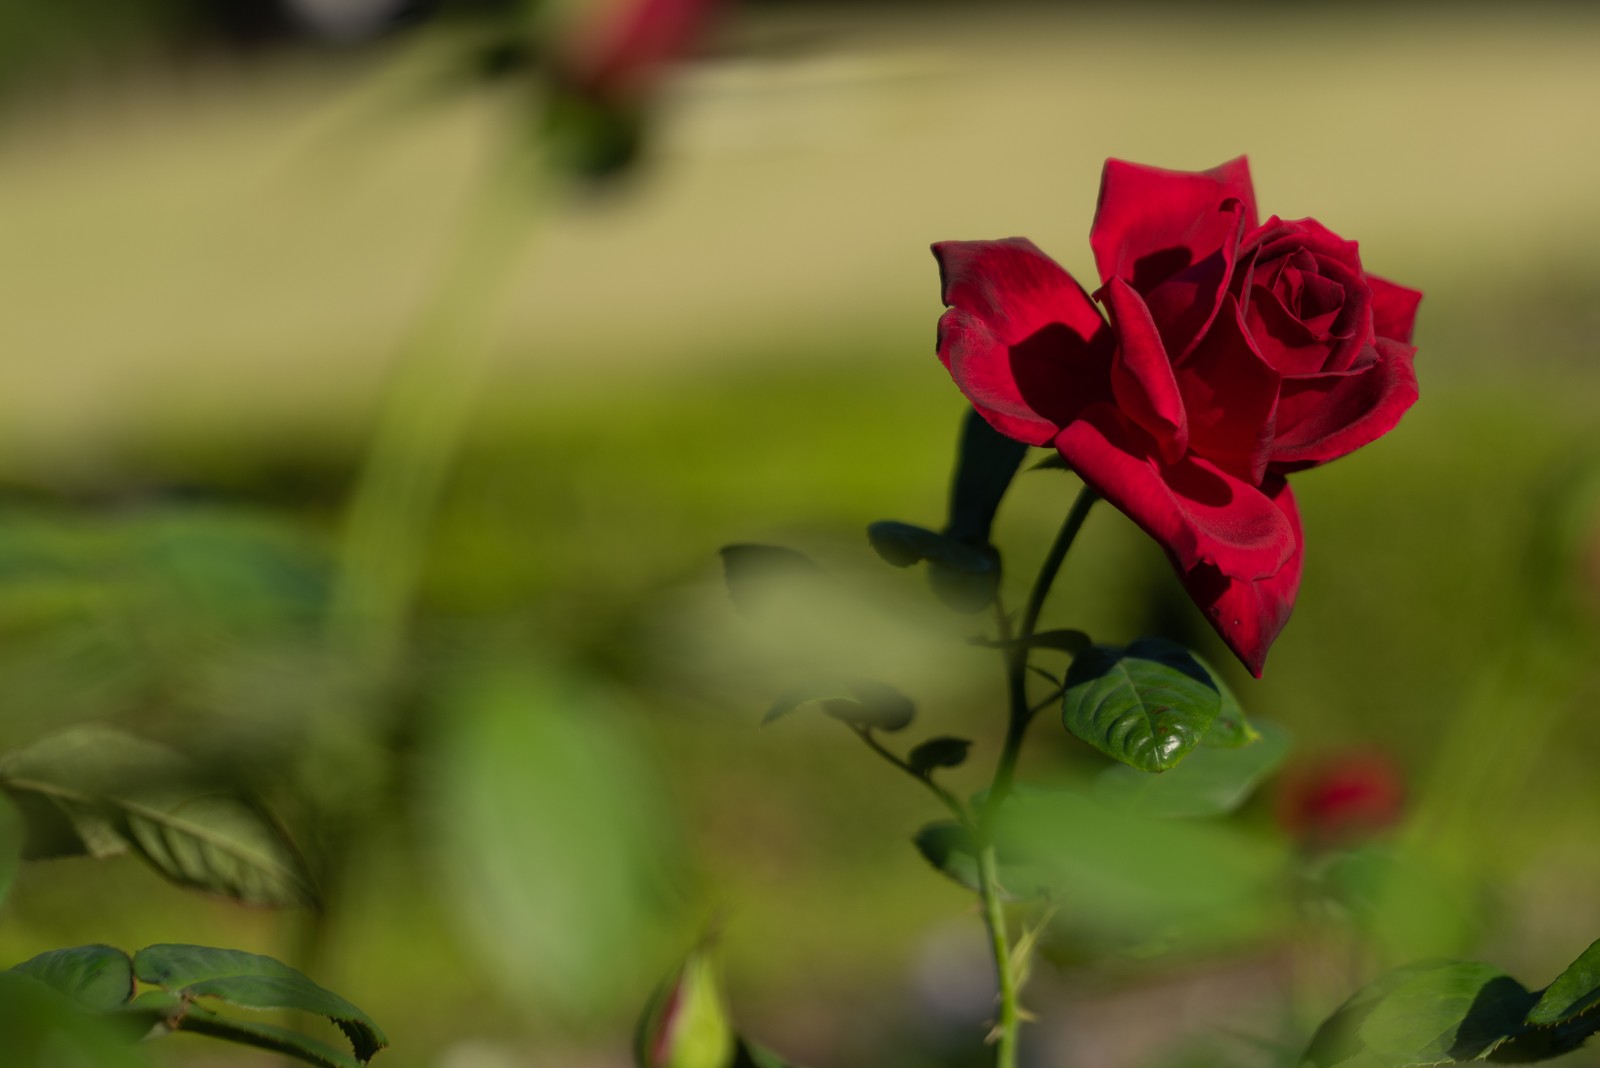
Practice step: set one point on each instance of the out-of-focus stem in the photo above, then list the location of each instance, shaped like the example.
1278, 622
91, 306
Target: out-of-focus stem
1009, 1018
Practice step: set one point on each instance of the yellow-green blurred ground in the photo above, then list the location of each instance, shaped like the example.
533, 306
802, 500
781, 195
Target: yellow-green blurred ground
203, 278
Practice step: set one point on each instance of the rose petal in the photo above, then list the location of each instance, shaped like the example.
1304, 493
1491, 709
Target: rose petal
1021, 339
1394, 308
1141, 374
1325, 416
1198, 513
1230, 393
1185, 305
1249, 614
1150, 223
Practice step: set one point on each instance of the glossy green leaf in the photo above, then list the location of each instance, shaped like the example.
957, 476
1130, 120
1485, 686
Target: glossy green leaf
685, 1025
96, 977
253, 982
1448, 1011
98, 788
1210, 782
40, 1028
12, 833
942, 752
1146, 705
1575, 991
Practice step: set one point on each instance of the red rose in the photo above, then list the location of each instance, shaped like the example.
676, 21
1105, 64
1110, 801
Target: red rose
1236, 353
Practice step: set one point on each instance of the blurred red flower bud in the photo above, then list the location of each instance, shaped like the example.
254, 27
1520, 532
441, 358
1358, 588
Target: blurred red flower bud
1341, 799
615, 48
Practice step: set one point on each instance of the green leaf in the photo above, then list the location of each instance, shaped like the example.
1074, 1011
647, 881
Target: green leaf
902, 544
986, 462
942, 752
96, 977
1231, 728
1575, 991
1146, 705
251, 981
1447, 1011
859, 702
949, 847
12, 833
1211, 782
99, 788
266, 1036
550, 835
756, 573
40, 1028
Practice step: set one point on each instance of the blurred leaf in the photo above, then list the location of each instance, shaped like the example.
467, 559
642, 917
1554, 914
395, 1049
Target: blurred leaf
1575, 991
1409, 909
986, 462
949, 847
253, 982
901, 544
1448, 1011
549, 835
108, 786
1231, 728
1146, 705
40, 1028
1067, 641
963, 576
590, 137
685, 1025
11, 835
965, 589
264, 1036
96, 977
943, 752
1127, 875
859, 702
1211, 782
755, 572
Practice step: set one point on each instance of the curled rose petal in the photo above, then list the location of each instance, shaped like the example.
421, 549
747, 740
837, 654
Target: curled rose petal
1197, 512
1141, 373
1325, 416
1151, 223
1021, 339
1249, 614
1394, 308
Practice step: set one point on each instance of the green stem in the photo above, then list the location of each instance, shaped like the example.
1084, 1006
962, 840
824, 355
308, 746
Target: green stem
436, 382
1009, 1019
949, 800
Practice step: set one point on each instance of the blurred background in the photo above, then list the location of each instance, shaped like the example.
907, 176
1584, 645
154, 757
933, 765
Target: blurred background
702, 312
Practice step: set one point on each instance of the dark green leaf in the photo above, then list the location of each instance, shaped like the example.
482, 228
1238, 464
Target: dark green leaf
253, 982
943, 752
949, 847
1146, 705
756, 572
40, 1028
101, 788
985, 464
264, 1036
1067, 641
901, 544
1231, 728
1211, 782
858, 702
96, 977
965, 588
1575, 991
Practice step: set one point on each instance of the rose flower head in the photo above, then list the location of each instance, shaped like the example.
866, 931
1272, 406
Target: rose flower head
1341, 800
1232, 352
